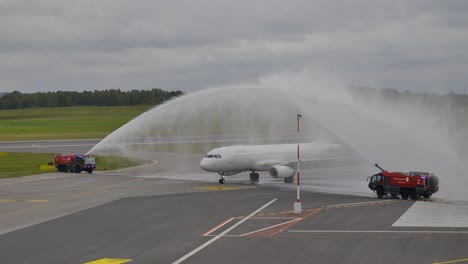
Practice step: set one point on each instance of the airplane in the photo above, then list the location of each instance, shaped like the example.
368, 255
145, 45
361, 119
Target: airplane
279, 159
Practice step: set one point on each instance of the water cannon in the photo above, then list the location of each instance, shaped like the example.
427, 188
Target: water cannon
377, 165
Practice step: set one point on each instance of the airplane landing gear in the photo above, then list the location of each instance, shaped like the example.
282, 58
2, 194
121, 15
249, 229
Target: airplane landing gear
254, 177
289, 179
221, 181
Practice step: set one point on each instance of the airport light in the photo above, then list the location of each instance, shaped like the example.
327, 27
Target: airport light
297, 204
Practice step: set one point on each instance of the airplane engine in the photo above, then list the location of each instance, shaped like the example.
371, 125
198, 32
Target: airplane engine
281, 171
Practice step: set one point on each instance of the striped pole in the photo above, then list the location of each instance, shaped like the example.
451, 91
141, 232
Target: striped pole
297, 204
298, 199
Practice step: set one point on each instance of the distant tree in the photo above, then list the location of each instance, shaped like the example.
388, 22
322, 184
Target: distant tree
12, 100
113, 97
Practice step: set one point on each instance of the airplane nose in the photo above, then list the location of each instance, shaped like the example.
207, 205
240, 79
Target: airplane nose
208, 165
203, 164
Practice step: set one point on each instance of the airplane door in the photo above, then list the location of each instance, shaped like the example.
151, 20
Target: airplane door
231, 162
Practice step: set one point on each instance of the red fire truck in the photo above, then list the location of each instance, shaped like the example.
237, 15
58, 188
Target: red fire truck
406, 184
75, 163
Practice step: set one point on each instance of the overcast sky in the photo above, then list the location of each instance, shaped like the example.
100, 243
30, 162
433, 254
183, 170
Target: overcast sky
191, 45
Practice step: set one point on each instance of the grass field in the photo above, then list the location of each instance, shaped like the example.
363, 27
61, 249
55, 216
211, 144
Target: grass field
64, 122
61, 123
16, 164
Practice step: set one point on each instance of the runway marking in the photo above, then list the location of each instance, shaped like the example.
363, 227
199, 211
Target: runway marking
109, 261
191, 253
451, 261
348, 205
67, 198
270, 227
297, 221
26, 201
286, 212
218, 226
273, 218
336, 206
217, 188
378, 231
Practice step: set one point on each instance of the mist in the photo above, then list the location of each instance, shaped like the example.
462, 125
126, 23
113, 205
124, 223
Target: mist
400, 135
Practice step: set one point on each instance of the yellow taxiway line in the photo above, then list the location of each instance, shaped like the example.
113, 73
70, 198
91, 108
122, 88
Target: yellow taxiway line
109, 261
217, 188
452, 261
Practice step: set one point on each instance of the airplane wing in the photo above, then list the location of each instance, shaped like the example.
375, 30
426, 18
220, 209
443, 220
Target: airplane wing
267, 164
324, 162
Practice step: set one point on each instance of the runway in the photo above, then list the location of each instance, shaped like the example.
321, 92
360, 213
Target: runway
49, 146
172, 212
84, 145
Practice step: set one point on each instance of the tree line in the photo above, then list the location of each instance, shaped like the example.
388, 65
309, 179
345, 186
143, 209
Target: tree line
391, 95
18, 100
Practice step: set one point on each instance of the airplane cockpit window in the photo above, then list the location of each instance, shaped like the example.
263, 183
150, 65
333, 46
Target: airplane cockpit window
213, 156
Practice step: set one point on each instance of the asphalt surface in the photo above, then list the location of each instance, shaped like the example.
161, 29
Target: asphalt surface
162, 228
49, 146
84, 145
172, 212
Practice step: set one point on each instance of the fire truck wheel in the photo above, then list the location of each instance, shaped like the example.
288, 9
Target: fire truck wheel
426, 195
77, 169
380, 192
404, 193
62, 168
412, 194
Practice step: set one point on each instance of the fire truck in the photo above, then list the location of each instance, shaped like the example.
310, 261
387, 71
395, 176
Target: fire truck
411, 184
75, 163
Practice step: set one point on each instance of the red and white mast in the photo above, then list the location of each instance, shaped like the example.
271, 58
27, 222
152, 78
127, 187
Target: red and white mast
297, 204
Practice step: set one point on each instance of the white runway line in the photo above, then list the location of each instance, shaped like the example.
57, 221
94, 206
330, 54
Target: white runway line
191, 253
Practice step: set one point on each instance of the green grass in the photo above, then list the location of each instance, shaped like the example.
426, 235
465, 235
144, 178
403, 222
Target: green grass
61, 123
65, 122
16, 164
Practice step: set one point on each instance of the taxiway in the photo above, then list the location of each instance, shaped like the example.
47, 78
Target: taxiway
172, 212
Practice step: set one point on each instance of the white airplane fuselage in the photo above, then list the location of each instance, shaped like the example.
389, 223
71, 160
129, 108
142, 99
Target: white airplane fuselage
235, 159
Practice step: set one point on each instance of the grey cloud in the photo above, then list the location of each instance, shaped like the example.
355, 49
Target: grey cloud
187, 45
